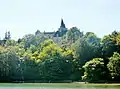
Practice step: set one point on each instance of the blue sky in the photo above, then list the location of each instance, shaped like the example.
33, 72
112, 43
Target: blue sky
26, 16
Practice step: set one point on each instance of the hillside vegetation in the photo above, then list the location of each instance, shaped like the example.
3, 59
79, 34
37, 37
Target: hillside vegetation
76, 57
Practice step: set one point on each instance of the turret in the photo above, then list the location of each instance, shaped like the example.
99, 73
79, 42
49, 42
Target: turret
62, 24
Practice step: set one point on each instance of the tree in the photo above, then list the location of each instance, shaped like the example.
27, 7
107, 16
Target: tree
115, 36
83, 51
94, 42
11, 43
56, 68
49, 49
7, 36
55, 64
110, 44
94, 70
29, 70
92, 39
4, 68
31, 39
114, 66
8, 66
73, 34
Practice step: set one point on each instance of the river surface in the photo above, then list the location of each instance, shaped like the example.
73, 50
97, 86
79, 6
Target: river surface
56, 86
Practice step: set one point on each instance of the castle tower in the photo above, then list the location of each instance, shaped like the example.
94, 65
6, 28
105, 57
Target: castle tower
62, 24
62, 30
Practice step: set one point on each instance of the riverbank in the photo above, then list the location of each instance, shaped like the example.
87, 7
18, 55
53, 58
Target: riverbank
57, 86
76, 84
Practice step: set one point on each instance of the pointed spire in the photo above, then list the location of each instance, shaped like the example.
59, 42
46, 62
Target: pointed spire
9, 35
62, 23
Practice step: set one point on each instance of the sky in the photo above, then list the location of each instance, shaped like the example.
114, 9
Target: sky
22, 17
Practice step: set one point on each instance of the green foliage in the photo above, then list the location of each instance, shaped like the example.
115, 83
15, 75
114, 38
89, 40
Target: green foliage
73, 34
114, 66
7, 36
92, 39
94, 42
29, 69
115, 36
11, 43
54, 63
56, 68
48, 49
110, 44
77, 71
30, 39
75, 57
46, 43
83, 51
94, 70
8, 65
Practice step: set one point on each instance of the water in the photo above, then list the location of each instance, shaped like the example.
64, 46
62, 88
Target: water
56, 86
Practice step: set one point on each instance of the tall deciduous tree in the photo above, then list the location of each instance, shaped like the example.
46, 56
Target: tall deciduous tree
73, 34
114, 66
83, 51
94, 70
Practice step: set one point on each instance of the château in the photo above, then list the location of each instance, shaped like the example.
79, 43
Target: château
59, 33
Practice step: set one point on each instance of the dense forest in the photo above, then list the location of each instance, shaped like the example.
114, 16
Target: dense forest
77, 56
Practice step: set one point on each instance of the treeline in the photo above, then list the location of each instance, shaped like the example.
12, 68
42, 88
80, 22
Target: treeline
76, 57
